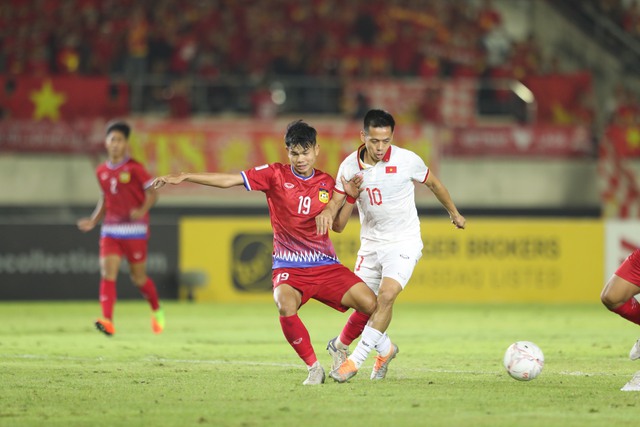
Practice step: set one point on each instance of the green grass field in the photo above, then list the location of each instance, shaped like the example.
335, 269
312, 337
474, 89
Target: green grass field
229, 365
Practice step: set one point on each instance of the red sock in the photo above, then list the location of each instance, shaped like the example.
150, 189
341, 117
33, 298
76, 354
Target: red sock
107, 297
150, 293
298, 336
630, 310
352, 330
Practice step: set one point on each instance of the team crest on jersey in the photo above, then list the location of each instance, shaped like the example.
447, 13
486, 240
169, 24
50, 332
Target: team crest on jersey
323, 195
124, 177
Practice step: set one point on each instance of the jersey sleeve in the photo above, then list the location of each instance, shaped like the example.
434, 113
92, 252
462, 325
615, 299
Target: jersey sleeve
348, 169
418, 169
339, 188
259, 178
143, 176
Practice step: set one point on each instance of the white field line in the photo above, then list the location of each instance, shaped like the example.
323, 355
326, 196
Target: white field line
275, 364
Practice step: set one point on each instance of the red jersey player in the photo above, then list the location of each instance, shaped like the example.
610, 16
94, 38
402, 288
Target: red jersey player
127, 195
305, 264
619, 296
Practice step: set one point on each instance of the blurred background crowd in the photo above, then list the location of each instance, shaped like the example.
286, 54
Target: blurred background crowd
258, 38
234, 51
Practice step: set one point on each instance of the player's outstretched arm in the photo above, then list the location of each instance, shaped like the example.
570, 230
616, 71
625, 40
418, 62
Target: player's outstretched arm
443, 196
212, 179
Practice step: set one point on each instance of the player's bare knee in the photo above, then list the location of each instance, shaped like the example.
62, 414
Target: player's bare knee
285, 308
286, 311
386, 299
609, 301
361, 299
368, 306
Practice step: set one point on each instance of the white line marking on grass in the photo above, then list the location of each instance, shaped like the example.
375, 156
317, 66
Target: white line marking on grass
49, 357
585, 374
499, 372
149, 359
275, 364
220, 362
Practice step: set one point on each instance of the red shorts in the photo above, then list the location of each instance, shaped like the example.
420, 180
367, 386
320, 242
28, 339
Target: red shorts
134, 249
629, 270
326, 284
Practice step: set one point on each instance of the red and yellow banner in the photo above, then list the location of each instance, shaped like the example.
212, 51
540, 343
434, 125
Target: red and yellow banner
221, 145
235, 145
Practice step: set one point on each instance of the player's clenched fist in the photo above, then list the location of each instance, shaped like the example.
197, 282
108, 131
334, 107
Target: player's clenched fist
458, 220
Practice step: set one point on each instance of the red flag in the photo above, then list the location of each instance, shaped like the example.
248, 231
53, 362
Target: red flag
555, 91
62, 98
390, 169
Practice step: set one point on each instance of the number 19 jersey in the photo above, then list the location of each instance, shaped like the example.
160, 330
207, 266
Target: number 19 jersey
294, 202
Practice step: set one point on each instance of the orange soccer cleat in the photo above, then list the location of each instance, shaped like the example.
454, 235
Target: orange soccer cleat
345, 372
105, 326
382, 363
157, 321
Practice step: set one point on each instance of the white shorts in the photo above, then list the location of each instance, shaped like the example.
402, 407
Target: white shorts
395, 261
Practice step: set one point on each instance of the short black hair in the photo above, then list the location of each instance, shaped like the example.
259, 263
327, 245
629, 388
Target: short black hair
378, 119
119, 126
300, 133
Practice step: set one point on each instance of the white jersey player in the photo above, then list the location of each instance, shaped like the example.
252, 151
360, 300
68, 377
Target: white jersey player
390, 238
388, 215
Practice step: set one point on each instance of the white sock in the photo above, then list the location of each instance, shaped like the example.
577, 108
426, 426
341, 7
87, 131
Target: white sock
315, 365
384, 345
368, 341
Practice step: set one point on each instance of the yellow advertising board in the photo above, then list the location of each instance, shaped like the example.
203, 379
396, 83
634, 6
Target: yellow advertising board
493, 260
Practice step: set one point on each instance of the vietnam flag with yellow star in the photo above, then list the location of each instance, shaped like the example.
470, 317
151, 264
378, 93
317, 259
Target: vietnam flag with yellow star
61, 98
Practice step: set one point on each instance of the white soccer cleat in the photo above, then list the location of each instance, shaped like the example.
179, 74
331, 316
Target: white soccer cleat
633, 384
634, 354
382, 363
316, 375
338, 352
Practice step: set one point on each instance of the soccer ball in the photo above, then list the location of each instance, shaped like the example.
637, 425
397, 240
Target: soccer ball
523, 360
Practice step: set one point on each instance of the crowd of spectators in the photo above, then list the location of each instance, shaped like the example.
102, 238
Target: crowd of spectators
623, 108
255, 40
624, 104
249, 37
624, 13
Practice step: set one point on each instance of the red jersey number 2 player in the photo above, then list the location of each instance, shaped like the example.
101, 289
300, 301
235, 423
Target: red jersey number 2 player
127, 195
305, 264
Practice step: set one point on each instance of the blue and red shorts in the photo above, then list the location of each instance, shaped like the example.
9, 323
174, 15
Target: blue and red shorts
327, 283
135, 250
